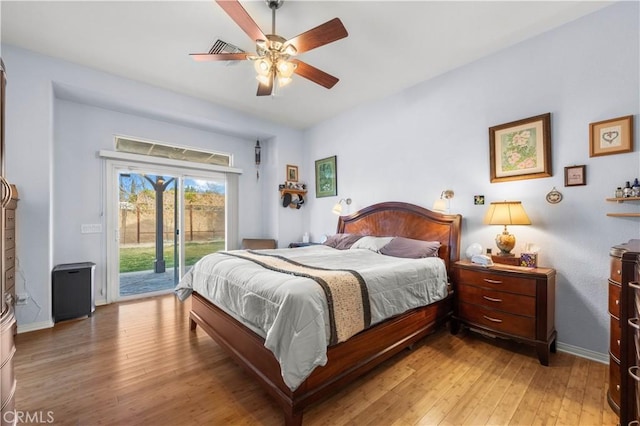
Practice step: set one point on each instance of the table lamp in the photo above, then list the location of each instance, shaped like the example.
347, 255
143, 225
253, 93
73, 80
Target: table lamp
506, 213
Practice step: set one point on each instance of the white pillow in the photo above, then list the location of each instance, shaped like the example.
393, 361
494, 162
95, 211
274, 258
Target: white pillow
371, 243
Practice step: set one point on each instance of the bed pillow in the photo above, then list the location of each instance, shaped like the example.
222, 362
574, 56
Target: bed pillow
413, 249
341, 241
371, 243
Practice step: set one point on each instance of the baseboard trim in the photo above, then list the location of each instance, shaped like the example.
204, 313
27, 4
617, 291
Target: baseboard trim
34, 326
583, 353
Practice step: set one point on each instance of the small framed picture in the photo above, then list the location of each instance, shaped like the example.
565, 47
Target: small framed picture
575, 175
614, 136
292, 173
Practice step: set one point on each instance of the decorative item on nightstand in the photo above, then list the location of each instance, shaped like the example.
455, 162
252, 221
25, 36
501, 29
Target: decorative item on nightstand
441, 205
337, 208
506, 213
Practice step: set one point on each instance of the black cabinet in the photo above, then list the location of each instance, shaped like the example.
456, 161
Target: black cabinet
72, 288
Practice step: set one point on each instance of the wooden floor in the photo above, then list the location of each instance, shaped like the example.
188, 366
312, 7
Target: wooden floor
138, 363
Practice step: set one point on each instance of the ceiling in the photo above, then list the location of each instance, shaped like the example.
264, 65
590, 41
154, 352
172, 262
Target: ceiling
391, 45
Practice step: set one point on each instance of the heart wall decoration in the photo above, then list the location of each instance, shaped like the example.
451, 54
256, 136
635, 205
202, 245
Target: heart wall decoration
614, 136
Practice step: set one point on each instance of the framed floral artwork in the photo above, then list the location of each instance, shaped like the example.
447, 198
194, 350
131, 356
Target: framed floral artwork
326, 177
614, 136
520, 149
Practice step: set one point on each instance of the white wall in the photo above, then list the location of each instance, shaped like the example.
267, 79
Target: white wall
434, 136
60, 114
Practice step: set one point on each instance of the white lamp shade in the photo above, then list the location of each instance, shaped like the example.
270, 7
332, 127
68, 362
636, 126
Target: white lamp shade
440, 205
337, 209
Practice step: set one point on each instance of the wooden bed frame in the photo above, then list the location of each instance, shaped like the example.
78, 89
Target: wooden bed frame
364, 351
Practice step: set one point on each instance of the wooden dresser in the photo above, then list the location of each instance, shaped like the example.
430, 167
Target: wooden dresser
7, 299
507, 301
624, 313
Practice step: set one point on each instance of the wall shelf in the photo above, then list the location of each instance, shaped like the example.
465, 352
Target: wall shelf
622, 200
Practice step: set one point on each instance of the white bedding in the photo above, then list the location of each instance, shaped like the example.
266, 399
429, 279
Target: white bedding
290, 312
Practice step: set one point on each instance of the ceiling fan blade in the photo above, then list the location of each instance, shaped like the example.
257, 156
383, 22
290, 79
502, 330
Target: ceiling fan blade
323, 34
265, 89
240, 16
202, 57
314, 74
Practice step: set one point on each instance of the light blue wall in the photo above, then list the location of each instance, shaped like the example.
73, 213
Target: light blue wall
434, 136
407, 147
59, 115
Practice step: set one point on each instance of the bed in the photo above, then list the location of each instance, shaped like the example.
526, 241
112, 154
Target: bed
360, 353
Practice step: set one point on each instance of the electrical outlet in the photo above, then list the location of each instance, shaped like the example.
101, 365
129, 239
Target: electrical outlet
22, 298
91, 228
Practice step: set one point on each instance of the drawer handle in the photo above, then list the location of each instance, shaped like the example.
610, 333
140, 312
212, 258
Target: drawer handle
618, 388
633, 322
491, 299
492, 319
617, 302
492, 281
633, 372
634, 284
618, 341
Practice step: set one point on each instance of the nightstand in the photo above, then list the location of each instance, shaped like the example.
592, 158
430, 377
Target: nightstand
509, 302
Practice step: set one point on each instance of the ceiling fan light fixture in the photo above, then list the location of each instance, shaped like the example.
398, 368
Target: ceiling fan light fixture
290, 50
283, 81
264, 79
262, 44
286, 69
262, 66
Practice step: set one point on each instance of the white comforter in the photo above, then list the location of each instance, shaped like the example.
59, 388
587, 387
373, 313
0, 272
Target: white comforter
290, 312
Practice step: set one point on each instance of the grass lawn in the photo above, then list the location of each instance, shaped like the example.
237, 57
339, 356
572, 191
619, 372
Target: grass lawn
141, 258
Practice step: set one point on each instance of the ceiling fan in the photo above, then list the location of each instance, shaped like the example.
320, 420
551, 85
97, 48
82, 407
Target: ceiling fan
273, 59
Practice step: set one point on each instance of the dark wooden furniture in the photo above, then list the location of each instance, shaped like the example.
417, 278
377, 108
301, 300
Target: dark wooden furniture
624, 296
507, 301
362, 352
7, 299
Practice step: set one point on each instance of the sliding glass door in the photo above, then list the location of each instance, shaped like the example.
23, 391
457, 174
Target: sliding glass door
163, 223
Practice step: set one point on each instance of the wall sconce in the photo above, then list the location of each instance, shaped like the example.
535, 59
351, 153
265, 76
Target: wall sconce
337, 209
506, 213
441, 205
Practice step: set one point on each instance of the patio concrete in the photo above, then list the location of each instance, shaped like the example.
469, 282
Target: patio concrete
134, 283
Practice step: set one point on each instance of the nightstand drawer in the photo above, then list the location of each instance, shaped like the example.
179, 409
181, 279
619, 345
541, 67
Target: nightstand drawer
616, 269
507, 302
614, 299
487, 279
614, 337
499, 321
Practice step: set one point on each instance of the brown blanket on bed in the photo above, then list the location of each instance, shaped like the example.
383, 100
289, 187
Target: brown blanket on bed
346, 291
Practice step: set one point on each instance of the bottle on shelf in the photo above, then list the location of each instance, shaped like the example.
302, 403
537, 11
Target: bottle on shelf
635, 188
619, 193
627, 191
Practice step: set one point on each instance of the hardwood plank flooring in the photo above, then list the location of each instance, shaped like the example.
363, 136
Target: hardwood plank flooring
137, 363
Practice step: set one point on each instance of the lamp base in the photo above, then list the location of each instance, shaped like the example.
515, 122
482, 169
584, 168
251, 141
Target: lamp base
505, 242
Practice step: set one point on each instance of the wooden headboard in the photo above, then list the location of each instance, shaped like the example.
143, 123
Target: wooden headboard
396, 219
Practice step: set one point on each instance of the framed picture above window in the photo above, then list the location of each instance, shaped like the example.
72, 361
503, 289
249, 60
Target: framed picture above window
326, 177
292, 173
575, 175
521, 149
614, 136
